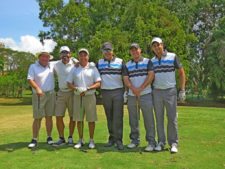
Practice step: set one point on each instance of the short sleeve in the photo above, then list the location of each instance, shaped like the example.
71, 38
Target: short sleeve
70, 76
150, 66
124, 70
31, 73
96, 75
177, 63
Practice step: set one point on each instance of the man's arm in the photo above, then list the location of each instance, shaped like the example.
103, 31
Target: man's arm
34, 85
181, 78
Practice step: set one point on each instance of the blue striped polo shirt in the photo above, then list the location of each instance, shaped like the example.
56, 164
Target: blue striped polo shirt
164, 69
138, 72
111, 73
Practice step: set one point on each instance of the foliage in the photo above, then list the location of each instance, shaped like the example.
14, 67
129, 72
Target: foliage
14, 71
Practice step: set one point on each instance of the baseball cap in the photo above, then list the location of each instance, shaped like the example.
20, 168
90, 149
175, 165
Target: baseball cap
107, 46
134, 45
83, 50
156, 39
64, 48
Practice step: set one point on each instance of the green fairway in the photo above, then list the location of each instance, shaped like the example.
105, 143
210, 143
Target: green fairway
201, 134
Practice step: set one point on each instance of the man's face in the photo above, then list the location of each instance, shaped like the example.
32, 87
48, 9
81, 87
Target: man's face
83, 58
44, 59
135, 53
158, 48
65, 56
108, 54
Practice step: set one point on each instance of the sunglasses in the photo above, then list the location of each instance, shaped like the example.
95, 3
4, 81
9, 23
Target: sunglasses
65, 52
106, 50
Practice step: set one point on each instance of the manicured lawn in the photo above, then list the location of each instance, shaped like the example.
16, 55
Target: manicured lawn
201, 133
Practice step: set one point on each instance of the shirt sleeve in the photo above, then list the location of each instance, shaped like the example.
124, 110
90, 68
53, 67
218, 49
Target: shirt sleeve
124, 70
31, 73
150, 66
70, 76
96, 75
177, 63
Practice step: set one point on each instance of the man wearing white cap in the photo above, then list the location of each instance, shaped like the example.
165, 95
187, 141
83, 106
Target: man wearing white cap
84, 80
138, 79
165, 93
64, 96
41, 79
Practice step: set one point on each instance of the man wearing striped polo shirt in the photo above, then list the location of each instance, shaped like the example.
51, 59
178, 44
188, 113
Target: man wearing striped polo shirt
138, 79
165, 93
111, 69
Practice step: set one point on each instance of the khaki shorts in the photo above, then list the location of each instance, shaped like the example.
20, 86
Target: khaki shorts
87, 107
46, 107
64, 100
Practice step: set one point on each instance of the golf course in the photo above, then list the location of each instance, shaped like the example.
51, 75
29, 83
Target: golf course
201, 143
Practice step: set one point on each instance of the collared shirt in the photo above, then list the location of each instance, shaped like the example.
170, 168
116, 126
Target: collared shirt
62, 70
111, 73
164, 69
43, 76
84, 77
138, 72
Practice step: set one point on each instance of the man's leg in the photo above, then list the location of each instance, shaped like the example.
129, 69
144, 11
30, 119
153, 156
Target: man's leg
49, 125
36, 127
60, 126
133, 120
72, 125
171, 103
159, 113
91, 126
149, 123
118, 117
108, 107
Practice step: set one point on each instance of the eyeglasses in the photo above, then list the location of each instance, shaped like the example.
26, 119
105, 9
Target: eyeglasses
106, 50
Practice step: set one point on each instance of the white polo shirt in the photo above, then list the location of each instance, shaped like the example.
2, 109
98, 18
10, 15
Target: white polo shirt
84, 77
62, 70
43, 76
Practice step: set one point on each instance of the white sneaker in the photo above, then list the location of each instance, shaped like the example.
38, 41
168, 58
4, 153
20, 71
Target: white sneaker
132, 145
79, 144
149, 148
159, 146
91, 144
32, 144
174, 148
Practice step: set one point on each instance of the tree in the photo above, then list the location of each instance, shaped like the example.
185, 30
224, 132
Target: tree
214, 62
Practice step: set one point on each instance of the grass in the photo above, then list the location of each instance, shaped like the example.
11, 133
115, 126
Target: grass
201, 136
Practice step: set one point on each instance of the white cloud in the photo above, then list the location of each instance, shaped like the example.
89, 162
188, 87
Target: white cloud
29, 43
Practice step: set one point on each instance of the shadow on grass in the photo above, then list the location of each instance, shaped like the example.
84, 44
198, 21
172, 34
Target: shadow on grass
12, 147
101, 149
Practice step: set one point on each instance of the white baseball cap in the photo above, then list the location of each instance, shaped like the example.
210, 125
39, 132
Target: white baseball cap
83, 50
64, 48
156, 39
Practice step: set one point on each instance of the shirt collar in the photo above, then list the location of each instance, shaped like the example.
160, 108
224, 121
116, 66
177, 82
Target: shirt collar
113, 59
140, 59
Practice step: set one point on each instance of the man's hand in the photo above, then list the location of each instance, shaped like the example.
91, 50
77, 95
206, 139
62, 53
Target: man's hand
39, 92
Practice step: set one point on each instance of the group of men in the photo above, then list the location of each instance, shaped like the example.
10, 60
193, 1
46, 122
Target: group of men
145, 83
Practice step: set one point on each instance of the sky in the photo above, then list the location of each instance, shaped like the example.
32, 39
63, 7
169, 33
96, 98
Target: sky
20, 26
